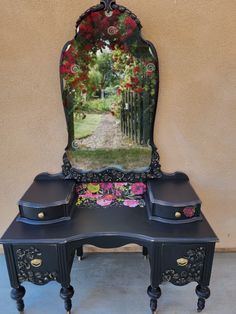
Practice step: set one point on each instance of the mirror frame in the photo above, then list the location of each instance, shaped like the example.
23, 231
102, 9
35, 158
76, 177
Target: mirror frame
114, 174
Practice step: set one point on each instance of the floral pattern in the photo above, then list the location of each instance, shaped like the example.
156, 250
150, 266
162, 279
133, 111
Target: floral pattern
106, 194
189, 212
119, 33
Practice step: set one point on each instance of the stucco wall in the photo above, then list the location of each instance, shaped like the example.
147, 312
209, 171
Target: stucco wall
195, 129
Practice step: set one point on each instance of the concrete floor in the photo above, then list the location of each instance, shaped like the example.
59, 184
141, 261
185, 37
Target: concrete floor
117, 283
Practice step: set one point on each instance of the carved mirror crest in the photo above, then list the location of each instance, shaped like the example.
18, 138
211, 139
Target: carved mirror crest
109, 83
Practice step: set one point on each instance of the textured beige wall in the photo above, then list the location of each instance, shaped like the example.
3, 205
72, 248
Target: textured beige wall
195, 129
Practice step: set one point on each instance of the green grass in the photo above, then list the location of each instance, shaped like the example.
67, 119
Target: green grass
101, 105
97, 105
127, 158
87, 126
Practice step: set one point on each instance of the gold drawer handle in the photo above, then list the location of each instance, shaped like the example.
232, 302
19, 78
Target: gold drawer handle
182, 261
41, 215
177, 215
36, 262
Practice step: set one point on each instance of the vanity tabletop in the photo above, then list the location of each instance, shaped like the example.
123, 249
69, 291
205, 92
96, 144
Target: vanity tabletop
120, 221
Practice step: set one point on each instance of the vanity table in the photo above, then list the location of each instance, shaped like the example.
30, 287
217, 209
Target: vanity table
111, 191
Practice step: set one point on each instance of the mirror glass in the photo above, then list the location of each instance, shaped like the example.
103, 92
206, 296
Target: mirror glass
109, 77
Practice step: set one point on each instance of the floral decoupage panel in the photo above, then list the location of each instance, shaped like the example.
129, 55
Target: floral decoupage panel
109, 83
111, 194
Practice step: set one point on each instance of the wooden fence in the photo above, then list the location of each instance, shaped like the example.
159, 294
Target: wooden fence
136, 116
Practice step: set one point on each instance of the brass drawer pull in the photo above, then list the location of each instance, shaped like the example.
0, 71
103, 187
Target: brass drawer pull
177, 215
36, 262
182, 261
41, 215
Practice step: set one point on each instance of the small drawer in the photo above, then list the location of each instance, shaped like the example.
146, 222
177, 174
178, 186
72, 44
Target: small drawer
36, 263
47, 202
182, 263
42, 214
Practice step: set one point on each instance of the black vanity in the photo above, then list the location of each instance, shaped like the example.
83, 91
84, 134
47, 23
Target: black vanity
111, 191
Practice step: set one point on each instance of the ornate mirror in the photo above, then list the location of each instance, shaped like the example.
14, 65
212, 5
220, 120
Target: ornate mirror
109, 83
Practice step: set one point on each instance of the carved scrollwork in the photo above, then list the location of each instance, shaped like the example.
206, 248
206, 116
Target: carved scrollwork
25, 258
191, 272
108, 4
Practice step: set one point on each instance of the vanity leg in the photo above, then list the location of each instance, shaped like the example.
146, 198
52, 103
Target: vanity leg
154, 291
66, 294
154, 294
145, 252
203, 293
17, 294
80, 253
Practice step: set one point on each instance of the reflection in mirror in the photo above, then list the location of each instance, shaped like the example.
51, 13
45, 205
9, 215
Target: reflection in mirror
109, 77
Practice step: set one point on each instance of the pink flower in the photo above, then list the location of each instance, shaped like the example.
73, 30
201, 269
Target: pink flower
104, 202
90, 195
131, 203
106, 186
118, 193
138, 188
189, 212
120, 185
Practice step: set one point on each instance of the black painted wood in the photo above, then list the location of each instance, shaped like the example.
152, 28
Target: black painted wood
121, 222
47, 201
110, 227
172, 201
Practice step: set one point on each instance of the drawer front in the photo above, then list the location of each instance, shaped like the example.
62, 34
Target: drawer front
182, 263
176, 213
36, 263
43, 214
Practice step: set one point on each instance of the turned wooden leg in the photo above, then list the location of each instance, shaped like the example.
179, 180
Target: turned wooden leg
203, 293
66, 294
145, 252
17, 294
154, 294
80, 253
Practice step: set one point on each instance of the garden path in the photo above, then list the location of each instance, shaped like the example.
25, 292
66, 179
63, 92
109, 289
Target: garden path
107, 134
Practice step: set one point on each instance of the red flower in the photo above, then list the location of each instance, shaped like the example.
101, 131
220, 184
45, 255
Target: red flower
104, 23
85, 28
134, 80
149, 73
69, 54
139, 90
128, 85
129, 22
83, 77
115, 12
95, 15
88, 47
84, 91
189, 212
136, 70
65, 68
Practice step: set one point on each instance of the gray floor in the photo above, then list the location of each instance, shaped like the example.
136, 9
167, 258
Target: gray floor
116, 284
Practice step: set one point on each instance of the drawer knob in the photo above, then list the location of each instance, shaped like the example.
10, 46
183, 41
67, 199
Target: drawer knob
41, 215
36, 262
182, 261
177, 214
